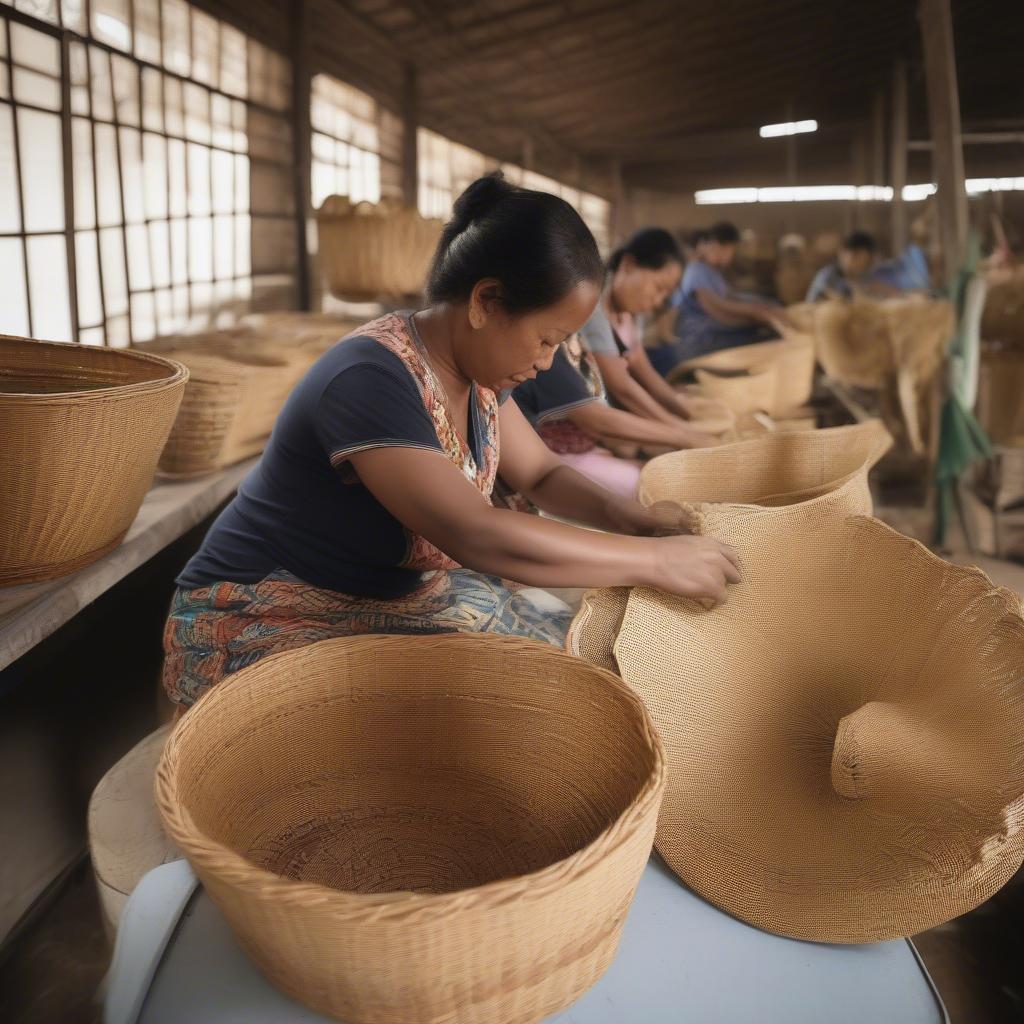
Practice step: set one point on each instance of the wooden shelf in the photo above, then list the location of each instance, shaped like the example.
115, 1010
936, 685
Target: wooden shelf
30, 613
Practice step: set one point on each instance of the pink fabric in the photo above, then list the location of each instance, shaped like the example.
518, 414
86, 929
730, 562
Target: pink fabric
626, 327
620, 476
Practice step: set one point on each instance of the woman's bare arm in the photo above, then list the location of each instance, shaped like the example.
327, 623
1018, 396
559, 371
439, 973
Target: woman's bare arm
629, 392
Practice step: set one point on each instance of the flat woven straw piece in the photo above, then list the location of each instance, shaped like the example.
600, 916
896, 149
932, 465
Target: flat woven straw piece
403, 830
774, 479
81, 429
740, 376
845, 736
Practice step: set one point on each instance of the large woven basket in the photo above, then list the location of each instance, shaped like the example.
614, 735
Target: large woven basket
1003, 316
1001, 394
403, 830
81, 429
844, 736
229, 408
766, 486
740, 376
368, 251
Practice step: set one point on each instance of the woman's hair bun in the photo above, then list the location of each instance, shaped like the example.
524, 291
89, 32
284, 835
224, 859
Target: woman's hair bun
479, 199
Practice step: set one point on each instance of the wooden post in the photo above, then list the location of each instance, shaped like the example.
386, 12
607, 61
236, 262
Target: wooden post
878, 138
527, 153
301, 145
410, 124
898, 158
944, 118
620, 211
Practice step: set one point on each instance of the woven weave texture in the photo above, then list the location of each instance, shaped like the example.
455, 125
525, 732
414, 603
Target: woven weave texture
776, 479
404, 830
775, 377
82, 429
845, 736
371, 250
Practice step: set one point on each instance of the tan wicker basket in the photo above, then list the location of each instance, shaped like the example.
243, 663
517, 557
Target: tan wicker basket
1001, 394
229, 408
403, 830
369, 251
843, 736
82, 429
771, 485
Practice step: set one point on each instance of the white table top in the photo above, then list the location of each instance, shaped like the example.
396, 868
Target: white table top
681, 961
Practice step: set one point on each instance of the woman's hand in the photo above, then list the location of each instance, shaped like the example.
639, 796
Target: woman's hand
662, 519
694, 567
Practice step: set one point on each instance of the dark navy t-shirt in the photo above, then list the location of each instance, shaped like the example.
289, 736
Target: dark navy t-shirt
302, 508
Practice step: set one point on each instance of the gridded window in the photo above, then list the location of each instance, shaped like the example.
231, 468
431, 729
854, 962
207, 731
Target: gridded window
356, 144
445, 169
155, 202
34, 266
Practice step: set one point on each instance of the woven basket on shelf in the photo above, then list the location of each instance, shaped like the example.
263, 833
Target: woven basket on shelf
772, 483
81, 429
843, 736
229, 408
313, 333
367, 250
403, 830
742, 375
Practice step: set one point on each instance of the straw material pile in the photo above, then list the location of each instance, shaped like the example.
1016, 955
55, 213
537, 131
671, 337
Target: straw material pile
403, 830
82, 429
897, 345
368, 251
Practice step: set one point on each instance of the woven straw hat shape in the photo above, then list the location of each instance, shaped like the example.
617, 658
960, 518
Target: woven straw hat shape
82, 429
775, 377
845, 736
767, 483
419, 829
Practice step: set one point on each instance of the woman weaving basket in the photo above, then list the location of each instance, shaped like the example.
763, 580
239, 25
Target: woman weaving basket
601, 394
370, 511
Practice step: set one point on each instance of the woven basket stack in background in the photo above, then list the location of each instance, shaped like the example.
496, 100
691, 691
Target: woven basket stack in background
417, 829
370, 251
82, 429
240, 379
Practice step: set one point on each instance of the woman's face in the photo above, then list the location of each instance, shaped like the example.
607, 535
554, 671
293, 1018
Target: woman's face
501, 350
637, 289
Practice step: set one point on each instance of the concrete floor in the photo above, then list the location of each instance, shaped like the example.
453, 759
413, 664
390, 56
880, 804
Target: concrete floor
53, 973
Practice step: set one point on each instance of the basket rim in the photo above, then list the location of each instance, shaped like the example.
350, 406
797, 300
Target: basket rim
838, 483
178, 374
403, 905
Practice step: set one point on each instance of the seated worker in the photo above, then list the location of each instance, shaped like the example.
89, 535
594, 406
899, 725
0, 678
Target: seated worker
370, 509
851, 273
568, 406
643, 273
710, 316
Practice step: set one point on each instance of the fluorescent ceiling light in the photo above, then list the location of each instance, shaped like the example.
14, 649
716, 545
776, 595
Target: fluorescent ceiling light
773, 131
844, 193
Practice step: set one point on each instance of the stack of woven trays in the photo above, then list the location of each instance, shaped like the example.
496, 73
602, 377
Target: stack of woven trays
81, 429
765, 385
